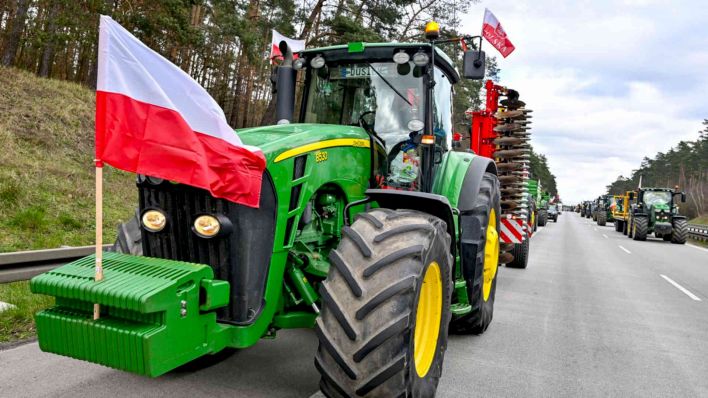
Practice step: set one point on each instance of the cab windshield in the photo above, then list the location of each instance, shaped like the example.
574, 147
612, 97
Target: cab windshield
387, 96
652, 198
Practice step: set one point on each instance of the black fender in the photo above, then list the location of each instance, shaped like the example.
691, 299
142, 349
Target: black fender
434, 204
678, 217
470, 229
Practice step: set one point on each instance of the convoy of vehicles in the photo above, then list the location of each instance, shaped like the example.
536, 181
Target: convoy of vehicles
641, 213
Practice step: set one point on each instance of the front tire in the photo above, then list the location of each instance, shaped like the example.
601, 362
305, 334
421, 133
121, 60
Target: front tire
601, 219
680, 232
482, 285
386, 307
640, 228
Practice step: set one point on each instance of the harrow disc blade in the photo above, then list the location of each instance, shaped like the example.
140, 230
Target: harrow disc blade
506, 179
512, 103
509, 114
508, 166
509, 141
506, 127
509, 153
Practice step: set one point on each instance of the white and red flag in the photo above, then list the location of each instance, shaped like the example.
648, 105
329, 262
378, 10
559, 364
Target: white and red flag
495, 34
295, 45
152, 118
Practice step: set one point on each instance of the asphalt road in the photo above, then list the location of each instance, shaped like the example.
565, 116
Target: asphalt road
591, 316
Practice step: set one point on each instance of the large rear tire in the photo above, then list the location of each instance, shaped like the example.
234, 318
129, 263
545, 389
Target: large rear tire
680, 231
601, 218
521, 254
640, 228
386, 307
481, 289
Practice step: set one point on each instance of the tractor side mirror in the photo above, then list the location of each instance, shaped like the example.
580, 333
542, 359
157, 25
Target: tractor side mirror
473, 65
683, 197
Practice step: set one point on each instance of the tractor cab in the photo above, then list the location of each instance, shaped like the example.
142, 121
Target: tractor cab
386, 89
659, 202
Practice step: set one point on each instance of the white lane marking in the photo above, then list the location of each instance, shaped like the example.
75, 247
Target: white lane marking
628, 252
681, 288
5, 306
697, 247
604, 236
594, 228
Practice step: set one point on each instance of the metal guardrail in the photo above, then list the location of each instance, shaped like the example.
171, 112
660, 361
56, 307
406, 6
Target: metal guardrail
698, 232
20, 266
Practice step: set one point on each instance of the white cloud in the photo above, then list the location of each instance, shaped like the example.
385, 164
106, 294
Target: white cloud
609, 82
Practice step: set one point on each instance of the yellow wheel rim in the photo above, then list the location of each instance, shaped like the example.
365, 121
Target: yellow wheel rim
491, 255
427, 320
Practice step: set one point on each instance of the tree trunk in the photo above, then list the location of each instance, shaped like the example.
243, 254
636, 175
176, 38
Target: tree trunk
12, 40
47, 59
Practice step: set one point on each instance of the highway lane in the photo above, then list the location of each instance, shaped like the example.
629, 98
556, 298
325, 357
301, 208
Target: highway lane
586, 318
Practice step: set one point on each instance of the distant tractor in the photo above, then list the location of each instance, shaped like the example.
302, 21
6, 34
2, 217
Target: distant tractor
542, 204
553, 212
655, 211
604, 209
620, 212
586, 209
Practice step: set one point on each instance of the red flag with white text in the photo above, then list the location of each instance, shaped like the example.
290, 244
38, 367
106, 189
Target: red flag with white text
495, 34
295, 45
152, 118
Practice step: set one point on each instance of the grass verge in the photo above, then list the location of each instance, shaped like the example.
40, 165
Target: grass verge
46, 166
18, 323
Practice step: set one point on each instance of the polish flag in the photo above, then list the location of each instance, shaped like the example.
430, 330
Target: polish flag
295, 45
495, 34
152, 118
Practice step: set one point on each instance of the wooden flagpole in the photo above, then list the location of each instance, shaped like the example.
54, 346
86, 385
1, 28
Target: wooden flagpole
99, 232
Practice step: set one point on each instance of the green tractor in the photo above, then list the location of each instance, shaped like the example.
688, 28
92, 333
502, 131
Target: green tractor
655, 211
370, 230
605, 205
542, 205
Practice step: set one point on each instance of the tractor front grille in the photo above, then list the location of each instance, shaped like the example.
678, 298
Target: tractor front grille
242, 257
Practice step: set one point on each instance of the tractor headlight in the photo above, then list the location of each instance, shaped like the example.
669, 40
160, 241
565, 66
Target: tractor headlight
207, 226
420, 58
317, 62
401, 57
154, 220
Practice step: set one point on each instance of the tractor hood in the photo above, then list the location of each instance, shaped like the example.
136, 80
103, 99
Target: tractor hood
277, 139
660, 207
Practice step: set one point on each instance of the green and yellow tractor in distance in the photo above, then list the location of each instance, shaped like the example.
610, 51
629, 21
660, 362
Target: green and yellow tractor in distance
655, 211
620, 212
370, 230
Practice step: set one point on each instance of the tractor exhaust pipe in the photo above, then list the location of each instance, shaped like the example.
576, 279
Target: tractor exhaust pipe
285, 86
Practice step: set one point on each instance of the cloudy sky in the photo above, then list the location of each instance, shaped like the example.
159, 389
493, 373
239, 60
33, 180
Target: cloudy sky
609, 81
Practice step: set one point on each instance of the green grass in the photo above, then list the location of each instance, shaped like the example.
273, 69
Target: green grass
18, 323
46, 167
701, 220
